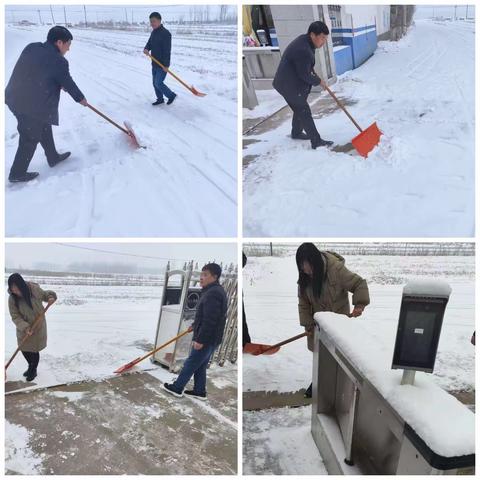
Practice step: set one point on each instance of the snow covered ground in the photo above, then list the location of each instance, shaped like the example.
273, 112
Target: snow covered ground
420, 91
183, 184
271, 306
92, 330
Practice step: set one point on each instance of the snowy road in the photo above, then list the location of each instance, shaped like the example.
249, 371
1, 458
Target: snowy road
182, 184
418, 182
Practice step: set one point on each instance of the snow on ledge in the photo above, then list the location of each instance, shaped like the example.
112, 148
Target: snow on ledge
434, 288
446, 425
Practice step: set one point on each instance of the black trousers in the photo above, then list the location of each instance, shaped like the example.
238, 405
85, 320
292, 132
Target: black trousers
302, 119
32, 132
32, 358
245, 334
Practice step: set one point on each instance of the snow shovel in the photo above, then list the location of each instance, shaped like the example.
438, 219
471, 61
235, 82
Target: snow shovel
176, 77
368, 139
35, 323
128, 128
131, 364
270, 350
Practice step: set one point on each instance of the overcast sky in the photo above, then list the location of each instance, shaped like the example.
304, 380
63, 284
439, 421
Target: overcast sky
31, 255
76, 13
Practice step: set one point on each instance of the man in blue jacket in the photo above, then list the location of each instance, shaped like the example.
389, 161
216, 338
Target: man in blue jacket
295, 78
159, 45
33, 94
208, 330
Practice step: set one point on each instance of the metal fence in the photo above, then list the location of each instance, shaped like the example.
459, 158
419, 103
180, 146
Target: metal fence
371, 248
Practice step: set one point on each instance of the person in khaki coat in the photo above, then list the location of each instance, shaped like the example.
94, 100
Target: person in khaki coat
25, 304
323, 286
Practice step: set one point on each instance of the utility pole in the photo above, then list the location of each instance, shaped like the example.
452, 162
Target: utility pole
40, 17
65, 15
126, 16
455, 15
466, 12
85, 14
53, 18
132, 16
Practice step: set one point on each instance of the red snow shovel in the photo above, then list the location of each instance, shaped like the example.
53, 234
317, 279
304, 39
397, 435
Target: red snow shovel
131, 364
368, 139
259, 349
35, 324
176, 77
127, 129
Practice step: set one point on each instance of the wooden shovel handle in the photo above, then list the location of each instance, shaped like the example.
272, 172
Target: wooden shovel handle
149, 354
176, 77
98, 112
288, 340
343, 108
24, 339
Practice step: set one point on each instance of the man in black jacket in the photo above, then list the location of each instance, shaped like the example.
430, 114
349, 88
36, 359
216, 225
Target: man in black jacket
33, 94
208, 330
159, 45
295, 78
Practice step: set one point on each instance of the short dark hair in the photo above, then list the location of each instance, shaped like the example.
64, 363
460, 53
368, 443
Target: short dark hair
213, 268
317, 28
155, 15
59, 33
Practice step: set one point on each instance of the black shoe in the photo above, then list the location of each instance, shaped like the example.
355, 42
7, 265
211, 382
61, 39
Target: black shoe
168, 387
26, 177
26, 372
31, 375
61, 157
308, 392
192, 393
158, 102
170, 100
321, 143
300, 136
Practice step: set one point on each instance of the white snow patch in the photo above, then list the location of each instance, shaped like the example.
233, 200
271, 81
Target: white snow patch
437, 288
19, 457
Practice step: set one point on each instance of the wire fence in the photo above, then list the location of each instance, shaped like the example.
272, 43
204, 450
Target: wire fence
356, 248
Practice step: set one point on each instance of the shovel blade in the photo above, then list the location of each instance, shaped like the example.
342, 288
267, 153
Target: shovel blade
366, 141
196, 92
131, 134
126, 367
259, 349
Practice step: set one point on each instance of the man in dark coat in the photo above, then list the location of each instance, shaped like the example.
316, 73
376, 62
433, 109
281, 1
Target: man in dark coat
159, 45
295, 78
33, 94
208, 330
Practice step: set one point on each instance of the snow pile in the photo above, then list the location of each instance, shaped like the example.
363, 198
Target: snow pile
418, 182
19, 458
434, 288
183, 184
446, 426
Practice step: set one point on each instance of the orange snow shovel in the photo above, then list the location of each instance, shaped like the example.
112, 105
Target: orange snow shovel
260, 349
127, 129
35, 324
131, 364
368, 139
176, 77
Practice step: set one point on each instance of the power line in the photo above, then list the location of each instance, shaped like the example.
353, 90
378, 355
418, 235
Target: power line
99, 250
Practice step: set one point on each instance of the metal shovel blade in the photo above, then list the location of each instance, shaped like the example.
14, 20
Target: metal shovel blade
366, 141
131, 134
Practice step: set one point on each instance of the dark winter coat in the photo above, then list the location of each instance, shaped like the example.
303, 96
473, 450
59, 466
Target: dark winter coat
295, 75
334, 297
211, 315
34, 87
160, 45
23, 317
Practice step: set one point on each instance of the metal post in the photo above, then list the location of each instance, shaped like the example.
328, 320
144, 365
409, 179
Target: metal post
408, 377
65, 15
51, 12
85, 14
40, 17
